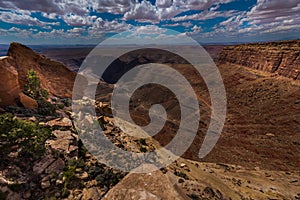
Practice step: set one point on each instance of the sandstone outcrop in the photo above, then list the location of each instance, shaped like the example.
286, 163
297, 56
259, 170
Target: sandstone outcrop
152, 186
27, 101
55, 77
282, 58
9, 84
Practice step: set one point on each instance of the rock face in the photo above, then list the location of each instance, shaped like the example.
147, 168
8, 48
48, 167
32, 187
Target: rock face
152, 186
282, 58
54, 76
27, 101
9, 84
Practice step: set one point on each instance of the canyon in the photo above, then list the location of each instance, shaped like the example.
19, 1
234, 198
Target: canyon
256, 157
282, 58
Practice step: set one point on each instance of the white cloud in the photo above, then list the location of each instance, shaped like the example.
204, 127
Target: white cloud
265, 17
76, 31
163, 3
149, 29
185, 24
195, 31
77, 20
60, 7
20, 18
101, 26
142, 12
20, 32
115, 6
52, 16
205, 15
267, 11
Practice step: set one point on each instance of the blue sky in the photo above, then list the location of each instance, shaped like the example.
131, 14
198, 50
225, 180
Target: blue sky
91, 21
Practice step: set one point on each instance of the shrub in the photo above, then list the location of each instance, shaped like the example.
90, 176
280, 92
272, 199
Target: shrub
46, 108
181, 174
143, 142
193, 196
29, 136
33, 85
143, 149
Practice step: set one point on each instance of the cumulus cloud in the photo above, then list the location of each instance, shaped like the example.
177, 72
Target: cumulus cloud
79, 7
267, 16
185, 24
142, 12
76, 30
101, 26
266, 11
198, 4
205, 15
77, 20
25, 18
167, 9
52, 16
115, 6
195, 31
163, 3
149, 29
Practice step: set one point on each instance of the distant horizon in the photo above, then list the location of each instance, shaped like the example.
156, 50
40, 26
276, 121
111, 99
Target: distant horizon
95, 44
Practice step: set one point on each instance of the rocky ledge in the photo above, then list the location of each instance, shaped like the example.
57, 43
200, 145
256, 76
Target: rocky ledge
282, 58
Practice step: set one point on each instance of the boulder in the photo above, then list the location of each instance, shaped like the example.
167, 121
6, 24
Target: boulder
92, 193
9, 84
27, 101
57, 166
62, 122
152, 186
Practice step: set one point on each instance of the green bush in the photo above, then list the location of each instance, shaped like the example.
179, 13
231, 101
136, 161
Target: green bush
46, 108
143, 149
181, 174
143, 142
33, 89
69, 172
30, 137
33, 85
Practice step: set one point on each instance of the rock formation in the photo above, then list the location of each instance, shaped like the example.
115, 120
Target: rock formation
152, 186
282, 58
27, 101
55, 77
9, 85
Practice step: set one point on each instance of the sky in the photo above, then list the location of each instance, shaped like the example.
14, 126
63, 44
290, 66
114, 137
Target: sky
92, 21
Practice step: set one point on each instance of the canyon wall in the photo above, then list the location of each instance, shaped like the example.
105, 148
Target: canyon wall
282, 58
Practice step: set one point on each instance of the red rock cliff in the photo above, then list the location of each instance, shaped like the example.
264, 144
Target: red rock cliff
54, 76
282, 57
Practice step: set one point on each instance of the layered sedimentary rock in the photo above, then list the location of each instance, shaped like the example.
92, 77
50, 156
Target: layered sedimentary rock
55, 77
282, 58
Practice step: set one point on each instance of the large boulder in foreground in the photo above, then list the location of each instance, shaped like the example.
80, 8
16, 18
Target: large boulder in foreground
150, 186
9, 83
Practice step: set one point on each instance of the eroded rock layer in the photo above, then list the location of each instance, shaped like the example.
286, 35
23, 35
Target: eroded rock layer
282, 58
54, 76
